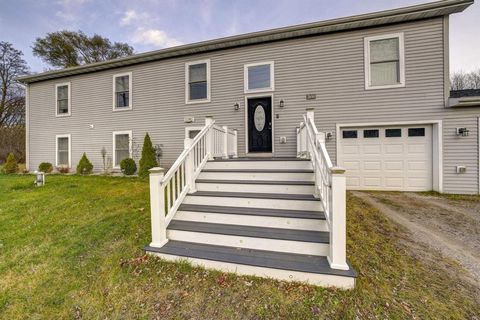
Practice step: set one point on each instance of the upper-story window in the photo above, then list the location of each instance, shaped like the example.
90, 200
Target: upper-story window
259, 77
122, 91
384, 61
197, 81
63, 101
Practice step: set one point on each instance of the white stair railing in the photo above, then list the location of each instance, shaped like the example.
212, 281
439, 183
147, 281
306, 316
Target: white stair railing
167, 191
330, 187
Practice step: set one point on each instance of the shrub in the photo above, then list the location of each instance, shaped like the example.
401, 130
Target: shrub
84, 166
11, 166
63, 169
149, 159
45, 167
128, 166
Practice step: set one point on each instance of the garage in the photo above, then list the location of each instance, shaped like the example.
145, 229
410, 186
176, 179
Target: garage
387, 158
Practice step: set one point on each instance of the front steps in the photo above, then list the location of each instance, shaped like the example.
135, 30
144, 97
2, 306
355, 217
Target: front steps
255, 217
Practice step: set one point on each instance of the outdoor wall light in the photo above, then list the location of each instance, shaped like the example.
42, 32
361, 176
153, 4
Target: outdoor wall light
282, 103
236, 106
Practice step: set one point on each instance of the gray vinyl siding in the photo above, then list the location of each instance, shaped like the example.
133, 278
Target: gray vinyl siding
330, 66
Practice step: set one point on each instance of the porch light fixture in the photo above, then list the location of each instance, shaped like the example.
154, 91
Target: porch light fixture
236, 106
462, 132
282, 103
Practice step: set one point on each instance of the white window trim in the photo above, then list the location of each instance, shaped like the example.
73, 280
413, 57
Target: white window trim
272, 77
69, 136
401, 48
69, 113
187, 87
115, 133
130, 100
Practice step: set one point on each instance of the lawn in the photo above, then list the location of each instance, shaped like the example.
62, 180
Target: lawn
73, 249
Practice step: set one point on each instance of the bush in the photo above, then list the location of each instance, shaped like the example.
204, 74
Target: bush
45, 167
149, 159
63, 169
128, 166
84, 166
11, 166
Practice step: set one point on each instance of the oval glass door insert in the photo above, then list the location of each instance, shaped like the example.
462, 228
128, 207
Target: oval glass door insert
259, 118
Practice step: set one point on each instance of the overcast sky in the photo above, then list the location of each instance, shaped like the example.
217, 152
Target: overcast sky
155, 24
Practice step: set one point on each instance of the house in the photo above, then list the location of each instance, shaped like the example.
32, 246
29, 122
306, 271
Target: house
379, 86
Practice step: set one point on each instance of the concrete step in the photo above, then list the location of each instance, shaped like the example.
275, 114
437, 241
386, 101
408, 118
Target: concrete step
263, 263
274, 218
260, 186
255, 200
260, 238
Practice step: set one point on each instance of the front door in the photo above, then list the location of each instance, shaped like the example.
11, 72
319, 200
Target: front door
260, 124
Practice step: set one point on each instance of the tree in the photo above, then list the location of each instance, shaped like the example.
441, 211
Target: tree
149, 159
65, 49
12, 102
11, 166
84, 165
461, 80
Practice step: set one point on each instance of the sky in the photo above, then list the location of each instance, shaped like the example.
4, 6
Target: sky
154, 24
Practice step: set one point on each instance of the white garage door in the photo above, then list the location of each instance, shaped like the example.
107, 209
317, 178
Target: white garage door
387, 158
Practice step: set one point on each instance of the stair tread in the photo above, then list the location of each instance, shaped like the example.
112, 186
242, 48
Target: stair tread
252, 257
282, 196
259, 159
278, 213
249, 231
261, 170
269, 182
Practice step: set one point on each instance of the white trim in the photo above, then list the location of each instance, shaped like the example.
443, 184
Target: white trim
69, 136
114, 133
446, 59
272, 77
437, 143
69, 113
130, 96
187, 87
27, 127
401, 48
246, 124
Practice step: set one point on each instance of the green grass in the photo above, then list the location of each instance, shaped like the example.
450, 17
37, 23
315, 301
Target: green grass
73, 249
460, 197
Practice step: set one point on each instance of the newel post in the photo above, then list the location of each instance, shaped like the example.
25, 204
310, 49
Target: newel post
209, 138
157, 208
225, 143
310, 115
235, 143
338, 234
189, 167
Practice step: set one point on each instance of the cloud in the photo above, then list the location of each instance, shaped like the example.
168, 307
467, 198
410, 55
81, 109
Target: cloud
155, 37
129, 17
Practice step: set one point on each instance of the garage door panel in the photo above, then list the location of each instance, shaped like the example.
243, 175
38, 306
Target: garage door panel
372, 165
372, 149
388, 163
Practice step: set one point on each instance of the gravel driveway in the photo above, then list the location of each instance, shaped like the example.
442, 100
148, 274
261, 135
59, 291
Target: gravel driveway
449, 225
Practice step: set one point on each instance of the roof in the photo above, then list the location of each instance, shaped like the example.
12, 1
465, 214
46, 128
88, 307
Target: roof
464, 98
411, 13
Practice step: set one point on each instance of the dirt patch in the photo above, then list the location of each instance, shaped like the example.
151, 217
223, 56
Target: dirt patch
450, 227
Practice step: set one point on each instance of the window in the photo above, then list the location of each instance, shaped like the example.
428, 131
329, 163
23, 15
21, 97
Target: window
197, 81
393, 133
373, 133
384, 62
416, 132
122, 147
259, 77
349, 134
122, 91
63, 150
62, 97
